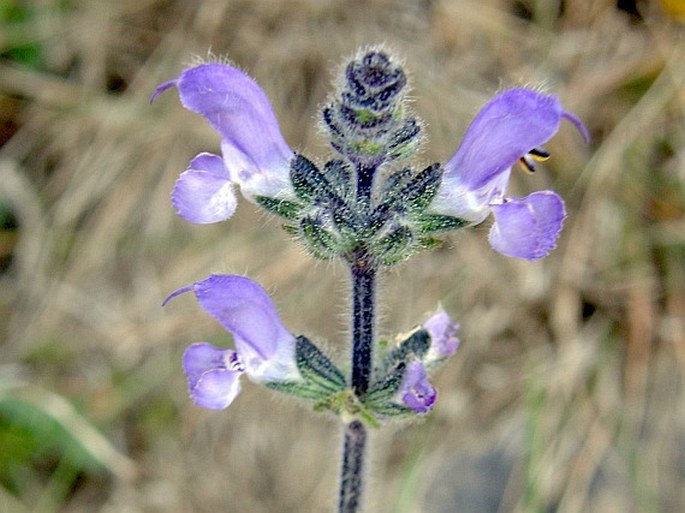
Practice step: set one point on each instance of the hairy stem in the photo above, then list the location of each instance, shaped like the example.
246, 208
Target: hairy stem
352, 468
363, 271
363, 319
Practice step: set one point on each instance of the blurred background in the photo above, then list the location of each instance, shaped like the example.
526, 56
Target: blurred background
566, 394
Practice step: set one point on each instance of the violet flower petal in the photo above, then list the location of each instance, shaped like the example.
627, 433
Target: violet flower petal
416, 391
216, 389
212, 375
527, 227
443, 336
204, 192
253, 147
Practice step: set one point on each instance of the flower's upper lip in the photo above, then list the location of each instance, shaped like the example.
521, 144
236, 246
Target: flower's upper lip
236, 107
580, 126
177, 293
504, 130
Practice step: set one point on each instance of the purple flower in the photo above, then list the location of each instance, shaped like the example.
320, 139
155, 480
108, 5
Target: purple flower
416, 391
509, 128
443, 337
255, 155
265, 350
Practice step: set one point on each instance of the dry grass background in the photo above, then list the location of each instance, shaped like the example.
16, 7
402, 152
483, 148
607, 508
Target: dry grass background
567, 393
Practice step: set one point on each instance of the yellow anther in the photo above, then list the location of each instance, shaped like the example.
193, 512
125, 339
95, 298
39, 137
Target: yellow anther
527, 162
527, 165
539, 154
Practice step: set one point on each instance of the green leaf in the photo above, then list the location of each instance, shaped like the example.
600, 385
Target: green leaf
368, 418
423, 187
432, 223
306, 178
414, 193
402, 194
393, 247
339, 175
395, 182
290, 229
14, 16
391, 410
316, 366
39, 426
308, 390
313, 186
383, 389
428, 242
325, 190
319, 241
287, 209
321, 381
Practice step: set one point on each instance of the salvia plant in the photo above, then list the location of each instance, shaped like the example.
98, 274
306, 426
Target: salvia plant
367, 206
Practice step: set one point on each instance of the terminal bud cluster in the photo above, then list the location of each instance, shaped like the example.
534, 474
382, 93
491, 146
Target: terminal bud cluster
364, 201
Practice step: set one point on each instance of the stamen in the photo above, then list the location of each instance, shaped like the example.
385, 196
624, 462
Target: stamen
539, 154
234, 362
527, 162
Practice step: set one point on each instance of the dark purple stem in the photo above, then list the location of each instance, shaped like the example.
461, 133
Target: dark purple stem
352, 468
365, 177
363, 271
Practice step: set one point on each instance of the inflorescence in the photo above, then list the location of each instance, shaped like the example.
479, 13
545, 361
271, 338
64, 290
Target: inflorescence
367, 206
